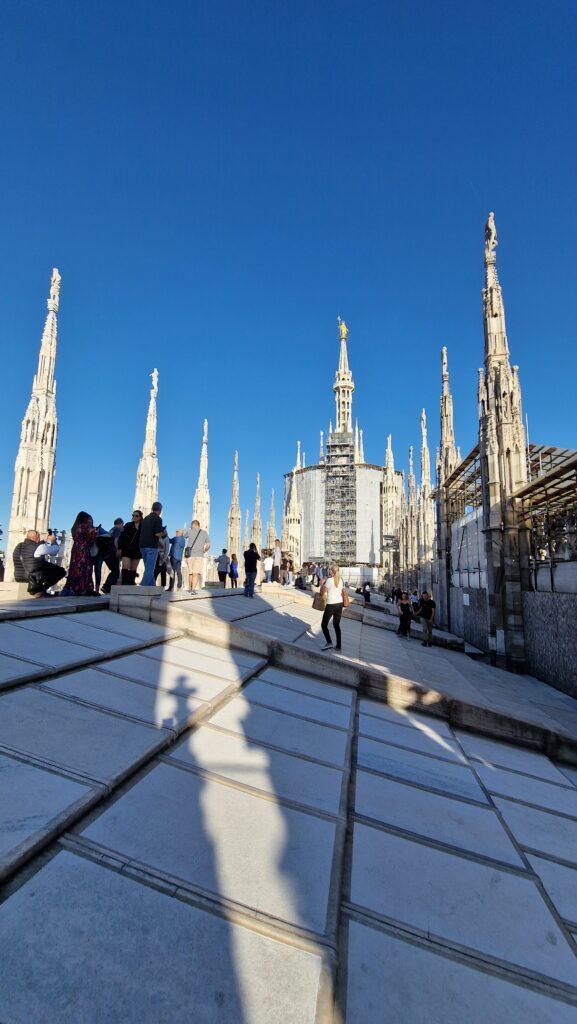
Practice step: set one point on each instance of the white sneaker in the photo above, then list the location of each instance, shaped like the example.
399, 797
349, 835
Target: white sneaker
326, 647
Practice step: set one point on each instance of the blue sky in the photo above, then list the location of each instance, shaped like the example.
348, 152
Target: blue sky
217, 181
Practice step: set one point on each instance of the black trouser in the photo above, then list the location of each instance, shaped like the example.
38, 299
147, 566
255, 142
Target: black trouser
160, 570
234, 582
276, 573
405, 624
334, 612
112, 563
40, 580
222, 577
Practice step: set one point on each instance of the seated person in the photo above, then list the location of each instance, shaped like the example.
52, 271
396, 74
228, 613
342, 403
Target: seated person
31, 566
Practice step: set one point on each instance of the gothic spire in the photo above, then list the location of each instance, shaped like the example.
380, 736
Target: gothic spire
343, 386
34, 467
146, 492
389, 457
322, 448
361, 446
201, 504
425, 456
496, 345
234, 513
246, 535
447, 459
298, 461
256, 531
412, 482
271, 525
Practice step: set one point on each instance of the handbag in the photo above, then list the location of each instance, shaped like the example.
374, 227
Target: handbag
187, 550
320, 601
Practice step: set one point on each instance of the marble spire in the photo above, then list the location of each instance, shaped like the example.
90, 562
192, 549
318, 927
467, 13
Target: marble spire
426, 509
291, 539
271, 533
35, 463
502, 446
256, 529
361, 446
246, 533
322, 448
298, 461
146, 491
201, 504
447, 460
343, 386
234, 514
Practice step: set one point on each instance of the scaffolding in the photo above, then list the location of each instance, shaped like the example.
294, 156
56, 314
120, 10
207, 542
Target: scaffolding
340, 500
547, 506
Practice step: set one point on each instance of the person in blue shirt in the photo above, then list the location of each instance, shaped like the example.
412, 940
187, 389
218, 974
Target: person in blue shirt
177, 545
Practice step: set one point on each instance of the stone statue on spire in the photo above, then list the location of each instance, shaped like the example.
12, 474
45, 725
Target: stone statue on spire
55, 286
491, 240
154, 376
343, 329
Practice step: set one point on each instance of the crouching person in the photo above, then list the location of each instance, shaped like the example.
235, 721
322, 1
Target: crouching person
31, 565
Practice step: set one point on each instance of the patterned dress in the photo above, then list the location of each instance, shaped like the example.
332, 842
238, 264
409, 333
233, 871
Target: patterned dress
79, 581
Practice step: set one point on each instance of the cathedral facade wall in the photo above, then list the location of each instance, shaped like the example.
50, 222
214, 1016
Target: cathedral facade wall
468, 558
369, 482
469, 615
550, 650
311, 496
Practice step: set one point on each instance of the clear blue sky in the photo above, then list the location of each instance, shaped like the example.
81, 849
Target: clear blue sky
217, 181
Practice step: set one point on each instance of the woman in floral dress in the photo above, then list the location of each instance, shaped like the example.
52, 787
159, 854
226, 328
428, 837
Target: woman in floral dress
79, 580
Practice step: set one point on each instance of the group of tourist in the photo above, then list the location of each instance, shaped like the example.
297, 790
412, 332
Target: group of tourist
411, 608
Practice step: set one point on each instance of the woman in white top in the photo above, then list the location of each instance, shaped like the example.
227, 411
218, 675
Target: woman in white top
333, 587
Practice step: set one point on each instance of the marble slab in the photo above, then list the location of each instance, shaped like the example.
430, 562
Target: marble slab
308, 684
269, 858
560, 883
173, 678
539, 830
261, 692
44, 650
494, 912
74, 736
421, 769
173, 655
418, 986
125, 625
33, 803
292, 734
423, 738
230, 655
66, 628
529, 789
282, 775
506, 756
13, 669
378, 710
458, 824
158, 707
98, 946
569, 773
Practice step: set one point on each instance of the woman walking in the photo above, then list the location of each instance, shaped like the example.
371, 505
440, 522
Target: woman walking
405, 612
233, 572
334, 589
79, 580
129, 548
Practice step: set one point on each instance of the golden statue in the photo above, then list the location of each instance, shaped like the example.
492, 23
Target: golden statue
343, 329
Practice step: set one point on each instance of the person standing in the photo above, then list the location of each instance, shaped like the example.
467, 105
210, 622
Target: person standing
405, 611
234, 572
162, 566
150, 534
79, 580
427, 612
177, 545
223, 567
276, 561
31, 565
268, 566
197, 544
251, 557
367, 592
334, 589
129, 549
